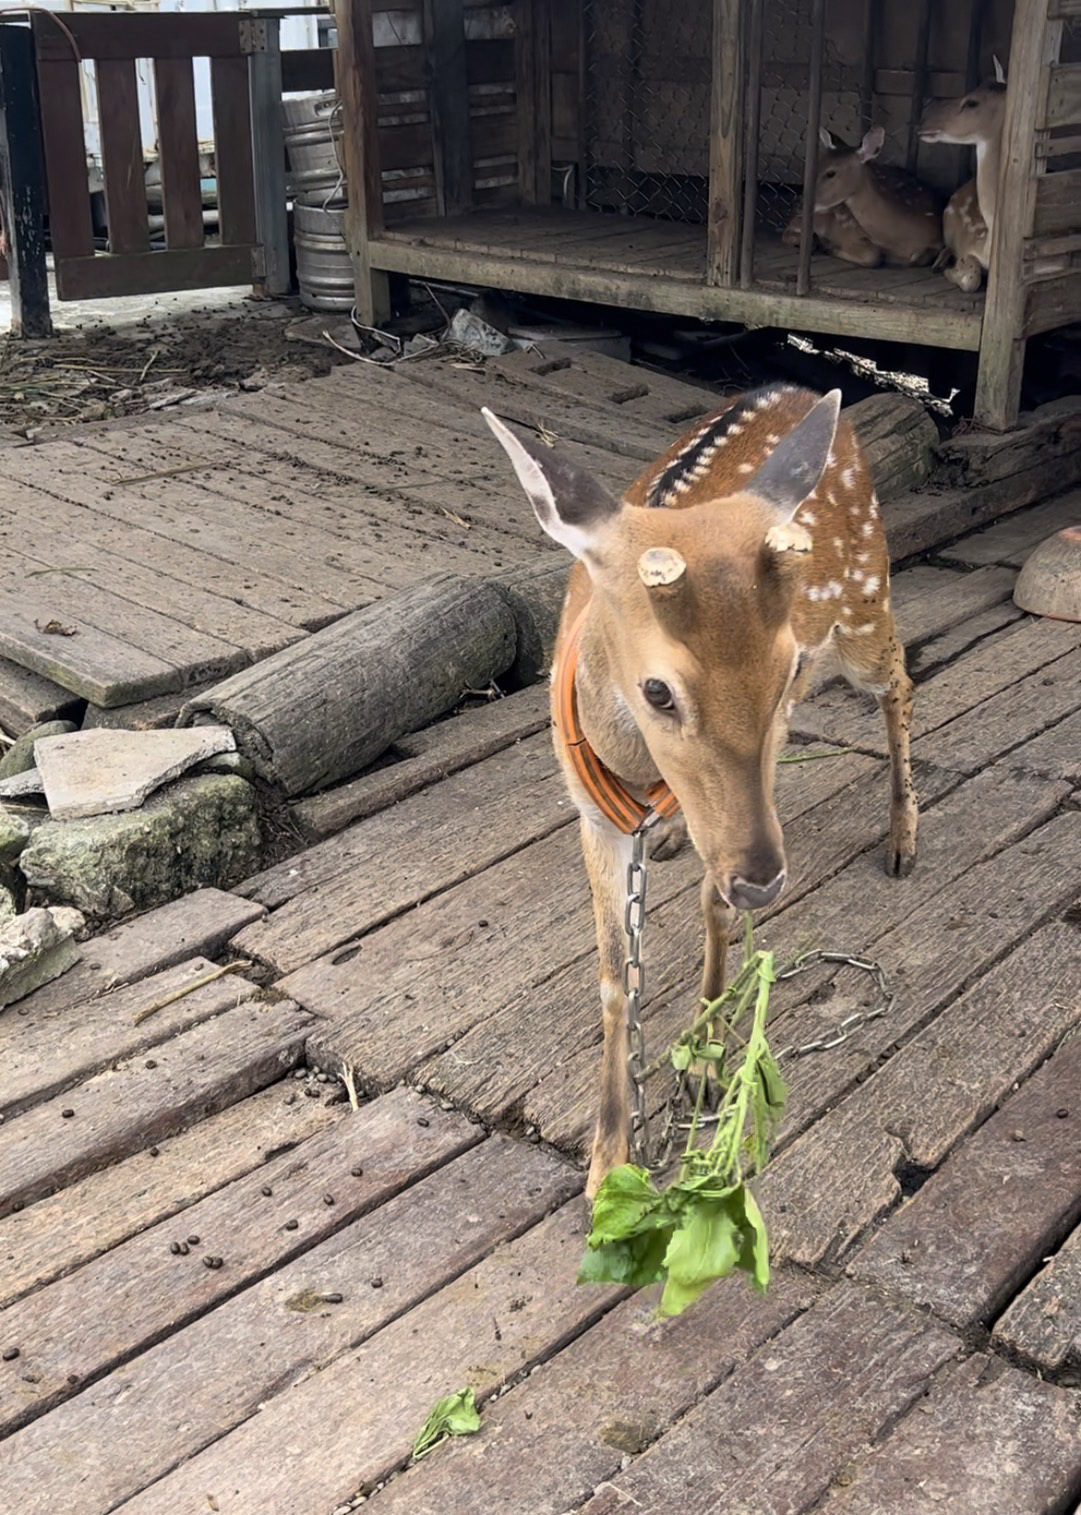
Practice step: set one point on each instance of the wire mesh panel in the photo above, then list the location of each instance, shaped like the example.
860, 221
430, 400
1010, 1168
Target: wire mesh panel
647, 107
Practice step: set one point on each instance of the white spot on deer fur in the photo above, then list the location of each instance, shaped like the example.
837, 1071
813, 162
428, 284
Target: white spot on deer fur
868, 528
871, 585
773, 437
770, 397
806, 518
735, 429
837, 541
857, 574
835, 589
831, 459
745, 468
863, 557
848, 477
845, 610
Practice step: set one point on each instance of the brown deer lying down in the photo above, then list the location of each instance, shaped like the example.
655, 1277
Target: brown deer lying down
699, 605
896, 213
973, 119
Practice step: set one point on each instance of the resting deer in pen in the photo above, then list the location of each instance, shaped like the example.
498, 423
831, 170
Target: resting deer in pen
698, 608
975, 119
898, 216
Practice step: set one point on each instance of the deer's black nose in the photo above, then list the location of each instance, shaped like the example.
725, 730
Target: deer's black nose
747, 896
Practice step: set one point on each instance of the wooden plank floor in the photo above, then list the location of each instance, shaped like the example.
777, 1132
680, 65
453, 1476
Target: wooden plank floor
224, 1289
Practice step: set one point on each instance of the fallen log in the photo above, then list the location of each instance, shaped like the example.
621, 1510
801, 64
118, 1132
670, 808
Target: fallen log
535, 597
324, 708
899, 439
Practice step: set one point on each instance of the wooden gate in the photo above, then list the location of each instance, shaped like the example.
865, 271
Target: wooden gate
245, 72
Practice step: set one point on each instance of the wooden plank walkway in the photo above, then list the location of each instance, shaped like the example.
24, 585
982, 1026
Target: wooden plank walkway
224, 1289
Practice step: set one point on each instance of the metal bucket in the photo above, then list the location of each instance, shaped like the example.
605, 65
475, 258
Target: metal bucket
313, 132
324, 272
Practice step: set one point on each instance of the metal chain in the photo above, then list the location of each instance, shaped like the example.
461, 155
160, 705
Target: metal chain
634, 922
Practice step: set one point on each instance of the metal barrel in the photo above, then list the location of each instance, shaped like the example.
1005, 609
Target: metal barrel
312, 126
324, 272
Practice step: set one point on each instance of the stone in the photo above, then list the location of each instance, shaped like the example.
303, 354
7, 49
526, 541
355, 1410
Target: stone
21, 786
19, 757
201, 831
36, 948
14, 835
103, 772
228, 762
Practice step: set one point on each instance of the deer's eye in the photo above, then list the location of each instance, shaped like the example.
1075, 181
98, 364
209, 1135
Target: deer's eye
658, 694
969, 105
831, 173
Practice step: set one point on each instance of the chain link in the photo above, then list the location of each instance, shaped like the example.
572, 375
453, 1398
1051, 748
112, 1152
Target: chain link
634, 922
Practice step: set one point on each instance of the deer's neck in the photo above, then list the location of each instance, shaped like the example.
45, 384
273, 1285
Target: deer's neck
875, 211
988, 163
609, 725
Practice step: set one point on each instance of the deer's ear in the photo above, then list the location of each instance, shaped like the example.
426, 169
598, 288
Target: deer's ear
825, 136
1000, 72
872, 144
794, 467
567, 501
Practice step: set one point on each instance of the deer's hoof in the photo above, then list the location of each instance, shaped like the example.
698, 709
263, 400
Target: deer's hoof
667, 839
899, 864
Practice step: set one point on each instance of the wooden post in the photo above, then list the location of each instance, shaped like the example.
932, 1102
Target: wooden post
448, 103
268, 153
355, 75
725, 143
22, 183
919, 87
1034, 46
871, 21
533, 76
754, 127
810, 152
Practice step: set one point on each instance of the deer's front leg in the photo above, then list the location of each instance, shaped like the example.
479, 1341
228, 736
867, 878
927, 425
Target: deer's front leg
607, 856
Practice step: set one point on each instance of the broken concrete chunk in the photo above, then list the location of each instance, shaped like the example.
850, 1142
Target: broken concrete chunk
21, 786
103, 772
14, 835
36, 948
19, 757
198, 832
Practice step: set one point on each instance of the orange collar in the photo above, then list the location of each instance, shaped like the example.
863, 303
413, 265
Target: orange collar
611, 797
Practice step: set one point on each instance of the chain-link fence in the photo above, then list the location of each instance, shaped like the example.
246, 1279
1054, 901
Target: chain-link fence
647, 100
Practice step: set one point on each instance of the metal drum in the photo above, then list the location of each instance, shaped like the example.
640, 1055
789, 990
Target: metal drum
324, 272
312, 125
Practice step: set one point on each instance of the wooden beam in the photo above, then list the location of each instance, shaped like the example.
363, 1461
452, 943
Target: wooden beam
754, 127
111, 275
532, 54
1034, 47
448, 104
810, 151
268, 156
726, 133
919, 86
22, 184
356, 83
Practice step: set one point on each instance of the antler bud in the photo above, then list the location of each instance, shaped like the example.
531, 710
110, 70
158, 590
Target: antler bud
660, 567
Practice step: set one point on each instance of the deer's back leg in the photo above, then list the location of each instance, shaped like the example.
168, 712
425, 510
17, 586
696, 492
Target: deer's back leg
874, 660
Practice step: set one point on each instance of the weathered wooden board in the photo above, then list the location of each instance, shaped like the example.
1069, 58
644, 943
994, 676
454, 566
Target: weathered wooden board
1011, 540
65, 1230
41, 529
129, 530
628, 1380
26, 699
839, 714
825, 1388
845, 1172
1007, 720
40, 1059
929, 600
1043, 1325
934, 653
117, 1112
986, 1439
425, 757
999, 1205
351, 1424
1054, 754
197, 924
381, 867
850, 912
199, 1384
74, 1330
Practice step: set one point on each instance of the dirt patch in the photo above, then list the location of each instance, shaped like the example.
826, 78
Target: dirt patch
102, 373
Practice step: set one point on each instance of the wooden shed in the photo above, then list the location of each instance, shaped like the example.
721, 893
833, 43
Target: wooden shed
645, 154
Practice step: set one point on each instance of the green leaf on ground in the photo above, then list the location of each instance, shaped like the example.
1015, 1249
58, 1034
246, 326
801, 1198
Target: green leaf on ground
454, 1415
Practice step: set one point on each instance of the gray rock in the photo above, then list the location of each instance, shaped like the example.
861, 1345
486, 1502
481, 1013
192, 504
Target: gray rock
36, 948
14, 835
21, 786
102, 772
19, 757
227, 762
198, 832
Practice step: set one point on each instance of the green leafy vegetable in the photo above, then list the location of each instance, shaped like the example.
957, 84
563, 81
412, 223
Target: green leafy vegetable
454, 1415
706, 1224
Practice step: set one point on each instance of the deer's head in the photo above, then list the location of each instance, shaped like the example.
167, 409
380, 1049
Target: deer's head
693, 608
842, 170
973, 118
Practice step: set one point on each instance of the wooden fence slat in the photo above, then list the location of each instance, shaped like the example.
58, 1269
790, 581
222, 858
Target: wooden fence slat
90, 278
122, 155
174, 85
232, 143
1064, 96
448, 95
70, 228
1058, 202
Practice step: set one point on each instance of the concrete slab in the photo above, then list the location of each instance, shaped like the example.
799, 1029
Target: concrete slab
103, 772
35, 948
